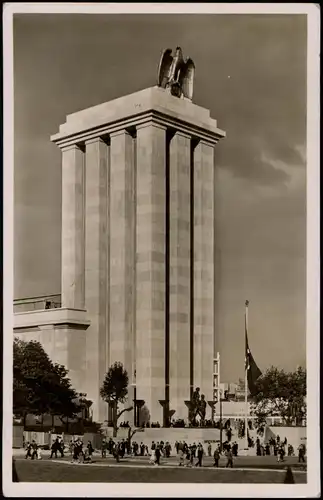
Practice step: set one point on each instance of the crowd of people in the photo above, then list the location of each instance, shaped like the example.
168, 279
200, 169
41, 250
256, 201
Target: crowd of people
238, 424
188, 454
279, 448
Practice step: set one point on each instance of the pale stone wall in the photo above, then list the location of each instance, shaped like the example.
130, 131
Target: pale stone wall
179, 280
122, 259
150, 268
96, 289
204, 268
114, 249
62, 333
73, 250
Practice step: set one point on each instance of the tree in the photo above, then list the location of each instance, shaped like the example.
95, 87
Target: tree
114, 391
39, 385
282, 394
131, 433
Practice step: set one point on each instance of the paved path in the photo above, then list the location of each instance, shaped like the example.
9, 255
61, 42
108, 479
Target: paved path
240, 463
170, 466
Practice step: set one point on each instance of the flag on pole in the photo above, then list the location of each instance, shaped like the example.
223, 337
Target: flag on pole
253, 372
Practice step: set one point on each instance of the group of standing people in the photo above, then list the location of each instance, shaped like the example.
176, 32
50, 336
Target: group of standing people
80, 453
120, 448
164, 448
274, 447
57, 445
187, 453
279, 448
33, 450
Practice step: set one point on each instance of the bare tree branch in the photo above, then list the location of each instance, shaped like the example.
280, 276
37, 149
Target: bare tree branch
122, 411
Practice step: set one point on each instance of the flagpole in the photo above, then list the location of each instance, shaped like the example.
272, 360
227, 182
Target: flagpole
246, 379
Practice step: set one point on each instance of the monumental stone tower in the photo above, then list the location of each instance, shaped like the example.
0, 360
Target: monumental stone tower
138, 246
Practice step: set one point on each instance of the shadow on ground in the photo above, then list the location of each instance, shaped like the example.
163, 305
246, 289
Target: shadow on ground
37, 471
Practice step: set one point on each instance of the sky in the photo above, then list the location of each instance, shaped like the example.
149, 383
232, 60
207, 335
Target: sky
251, 74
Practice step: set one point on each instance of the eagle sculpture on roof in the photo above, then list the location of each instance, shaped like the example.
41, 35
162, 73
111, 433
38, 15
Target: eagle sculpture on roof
176, 74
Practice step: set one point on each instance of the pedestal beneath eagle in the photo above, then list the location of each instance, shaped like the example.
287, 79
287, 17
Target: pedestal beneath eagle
175, 74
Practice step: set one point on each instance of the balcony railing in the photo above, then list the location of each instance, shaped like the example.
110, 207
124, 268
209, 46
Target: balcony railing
37, 303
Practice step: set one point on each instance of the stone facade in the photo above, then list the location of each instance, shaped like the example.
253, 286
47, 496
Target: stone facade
138, 249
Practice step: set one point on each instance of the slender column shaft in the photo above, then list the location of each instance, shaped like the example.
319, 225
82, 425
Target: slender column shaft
73, 243
96, 239
203, 267
179, 255
122, 259
150, 270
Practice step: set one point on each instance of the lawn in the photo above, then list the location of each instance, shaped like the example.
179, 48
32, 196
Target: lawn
45, 471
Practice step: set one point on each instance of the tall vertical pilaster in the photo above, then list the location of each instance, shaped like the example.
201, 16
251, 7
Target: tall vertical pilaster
96, 243
179, 278
203, 267
150, 268
122, 259
73, 287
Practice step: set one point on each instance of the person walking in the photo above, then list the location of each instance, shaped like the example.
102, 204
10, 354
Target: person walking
123, 448
28, 450
104, 448
280, 454
34, 448
200, 453
116, 452
128, 447
216, 457
60, 446
209, 450
76, 450
54, 449
168, 449
187, 461
153, 453
157, 454
81, 454
71, 447
79, 451
181, 456
301, 453
229, 456
258, 448
111, 446
90, 450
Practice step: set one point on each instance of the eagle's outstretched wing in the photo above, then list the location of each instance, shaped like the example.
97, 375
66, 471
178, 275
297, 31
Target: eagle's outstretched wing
164, 67
188, 78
